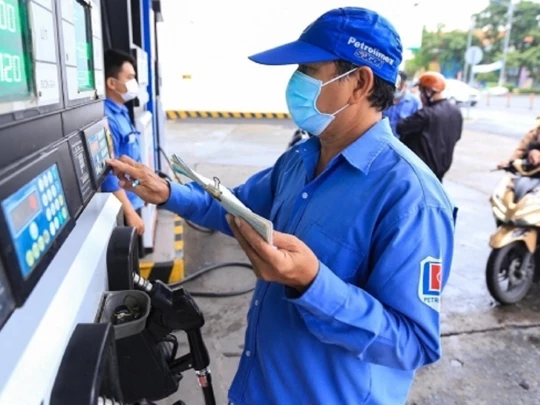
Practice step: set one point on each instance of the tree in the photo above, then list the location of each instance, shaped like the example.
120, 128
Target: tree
524, 35
445, 47
529, 59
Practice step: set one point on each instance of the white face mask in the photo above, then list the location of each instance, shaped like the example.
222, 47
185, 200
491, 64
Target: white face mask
132, 90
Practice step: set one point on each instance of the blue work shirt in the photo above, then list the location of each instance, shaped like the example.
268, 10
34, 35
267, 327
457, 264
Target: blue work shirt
126, 141
405, 107
382, 228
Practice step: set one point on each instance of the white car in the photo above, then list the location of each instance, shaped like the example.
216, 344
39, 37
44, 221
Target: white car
459, 92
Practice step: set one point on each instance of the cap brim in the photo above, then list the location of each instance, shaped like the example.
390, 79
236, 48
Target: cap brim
293, 53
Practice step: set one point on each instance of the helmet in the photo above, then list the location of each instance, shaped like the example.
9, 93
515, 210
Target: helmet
433, 81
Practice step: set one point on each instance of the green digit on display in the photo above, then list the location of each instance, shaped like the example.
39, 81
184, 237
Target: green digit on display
15, 83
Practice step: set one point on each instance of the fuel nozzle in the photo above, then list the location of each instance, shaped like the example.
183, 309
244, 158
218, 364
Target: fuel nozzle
175, 310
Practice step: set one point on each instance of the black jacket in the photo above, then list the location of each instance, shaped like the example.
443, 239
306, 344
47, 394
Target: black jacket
432, 133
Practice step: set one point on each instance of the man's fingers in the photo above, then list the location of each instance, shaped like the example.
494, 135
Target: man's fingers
121, 167
266, 251
285, 241
126, 159
244, 244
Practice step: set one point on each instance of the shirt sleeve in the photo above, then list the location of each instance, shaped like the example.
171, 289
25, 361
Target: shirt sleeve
193, 203
413, 124
394, 321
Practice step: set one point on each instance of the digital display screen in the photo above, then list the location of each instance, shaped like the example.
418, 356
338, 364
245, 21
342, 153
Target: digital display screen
83, 47
15, 83
25, 211
99, 151
36, 214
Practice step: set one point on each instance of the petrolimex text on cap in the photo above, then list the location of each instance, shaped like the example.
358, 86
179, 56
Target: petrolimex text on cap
369, 54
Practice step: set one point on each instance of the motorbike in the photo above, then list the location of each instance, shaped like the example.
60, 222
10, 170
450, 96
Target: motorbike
512, 265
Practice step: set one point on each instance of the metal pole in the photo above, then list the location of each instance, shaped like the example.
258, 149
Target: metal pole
469, 43
510, 14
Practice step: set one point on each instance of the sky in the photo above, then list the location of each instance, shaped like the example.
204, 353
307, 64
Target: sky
204, 45
455, 14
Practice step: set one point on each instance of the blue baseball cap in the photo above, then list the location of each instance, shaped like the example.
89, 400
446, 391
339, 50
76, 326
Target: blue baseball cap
356, 35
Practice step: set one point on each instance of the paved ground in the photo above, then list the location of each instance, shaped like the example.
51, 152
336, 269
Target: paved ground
491, 354
509, 117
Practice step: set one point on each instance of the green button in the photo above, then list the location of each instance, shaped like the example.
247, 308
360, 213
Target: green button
29, 258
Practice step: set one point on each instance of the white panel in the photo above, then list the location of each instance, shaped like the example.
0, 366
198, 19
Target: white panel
47, 84
142, 67
70, 49
43, 34
73, 83
96, 21
45, 3
67, 10
99, 77
98, 53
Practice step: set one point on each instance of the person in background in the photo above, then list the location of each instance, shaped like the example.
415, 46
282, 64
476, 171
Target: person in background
405, 104
121, 87
433, 131
528, 148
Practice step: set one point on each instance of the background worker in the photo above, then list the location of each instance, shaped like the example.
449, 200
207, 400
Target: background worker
121, 87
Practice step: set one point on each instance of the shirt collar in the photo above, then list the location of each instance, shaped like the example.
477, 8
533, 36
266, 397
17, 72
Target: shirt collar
114, 107
407, 97
362, 152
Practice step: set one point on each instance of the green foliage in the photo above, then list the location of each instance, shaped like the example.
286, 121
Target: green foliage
490, 78
440, 46
524, 45
493, 20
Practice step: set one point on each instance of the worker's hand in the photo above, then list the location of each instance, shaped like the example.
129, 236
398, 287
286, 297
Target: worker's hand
503, 164
133, 219
534, 157
151, 188
289, 261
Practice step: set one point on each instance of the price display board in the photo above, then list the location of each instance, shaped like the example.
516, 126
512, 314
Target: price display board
15, 64
84, 53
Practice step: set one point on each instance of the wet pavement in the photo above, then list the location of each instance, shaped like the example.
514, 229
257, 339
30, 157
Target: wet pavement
502, 116
491, 354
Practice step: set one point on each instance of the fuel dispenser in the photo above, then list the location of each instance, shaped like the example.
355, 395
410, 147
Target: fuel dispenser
76, 318
53, 147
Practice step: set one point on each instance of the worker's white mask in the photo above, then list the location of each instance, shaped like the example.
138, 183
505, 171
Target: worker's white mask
132, 92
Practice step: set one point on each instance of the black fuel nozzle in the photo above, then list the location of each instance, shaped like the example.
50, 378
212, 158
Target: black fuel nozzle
174, 310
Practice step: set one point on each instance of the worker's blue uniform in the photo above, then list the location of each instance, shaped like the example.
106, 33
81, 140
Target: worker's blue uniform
126, 141
405, 107
383, 230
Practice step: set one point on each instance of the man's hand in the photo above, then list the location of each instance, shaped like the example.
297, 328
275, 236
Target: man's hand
289, 262
151, 188
534, 157
133, 219
503, 164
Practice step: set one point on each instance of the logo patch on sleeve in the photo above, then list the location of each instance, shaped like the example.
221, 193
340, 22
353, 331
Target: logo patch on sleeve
430, 282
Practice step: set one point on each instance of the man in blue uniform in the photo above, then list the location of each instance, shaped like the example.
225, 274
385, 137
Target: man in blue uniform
347, 304
405, 104
121, 87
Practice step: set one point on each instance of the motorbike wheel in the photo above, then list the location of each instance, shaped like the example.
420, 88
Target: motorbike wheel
507, 279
